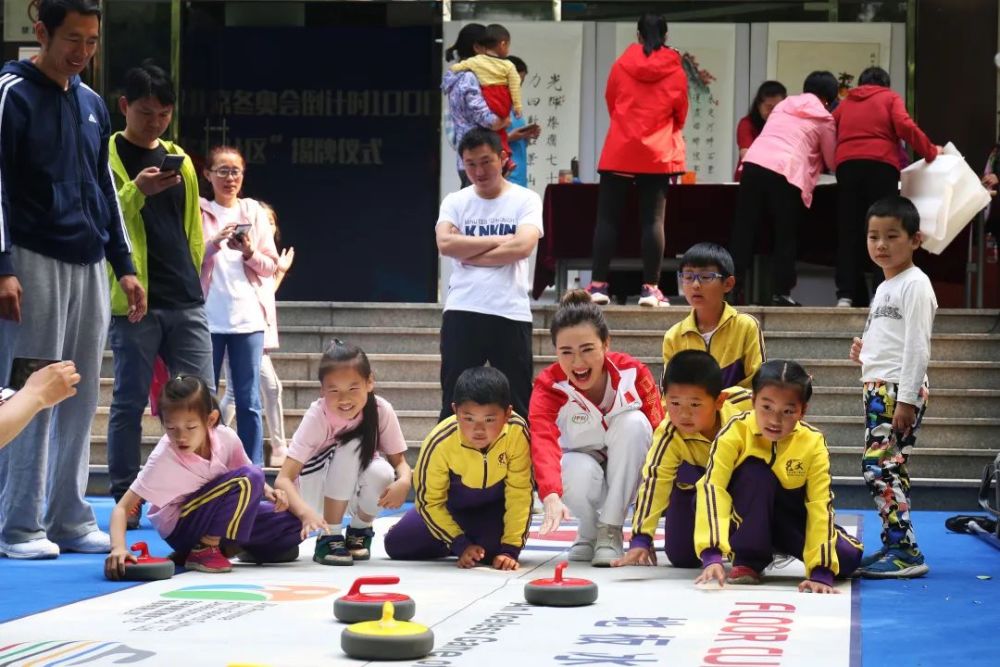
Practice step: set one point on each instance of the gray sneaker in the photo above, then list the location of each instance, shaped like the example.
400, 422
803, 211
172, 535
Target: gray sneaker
608, 546
582, 550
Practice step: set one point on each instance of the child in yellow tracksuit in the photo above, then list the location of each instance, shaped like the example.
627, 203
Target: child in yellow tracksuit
697, 408
768, 483
472, 481
733, 338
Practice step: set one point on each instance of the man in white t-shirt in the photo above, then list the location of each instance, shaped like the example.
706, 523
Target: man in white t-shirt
489, 231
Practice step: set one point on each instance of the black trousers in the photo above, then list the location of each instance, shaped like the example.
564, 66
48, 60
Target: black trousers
473, 339
766, 196
860, 183
612, 195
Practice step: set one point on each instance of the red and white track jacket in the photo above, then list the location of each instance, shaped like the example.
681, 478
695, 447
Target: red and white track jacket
563, 419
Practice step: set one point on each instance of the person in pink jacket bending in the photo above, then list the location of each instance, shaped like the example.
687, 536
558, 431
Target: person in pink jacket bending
239, 255
779, 175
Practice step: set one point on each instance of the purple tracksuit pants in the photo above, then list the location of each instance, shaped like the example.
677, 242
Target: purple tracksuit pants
231, 506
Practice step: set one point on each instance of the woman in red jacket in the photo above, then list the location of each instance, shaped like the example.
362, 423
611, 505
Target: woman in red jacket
768, 95
647, 97
870, 123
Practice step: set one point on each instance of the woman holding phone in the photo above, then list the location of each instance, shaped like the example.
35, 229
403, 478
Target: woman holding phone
239, 255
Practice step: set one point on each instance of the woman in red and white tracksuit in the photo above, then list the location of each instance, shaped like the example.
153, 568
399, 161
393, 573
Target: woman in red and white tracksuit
592, 418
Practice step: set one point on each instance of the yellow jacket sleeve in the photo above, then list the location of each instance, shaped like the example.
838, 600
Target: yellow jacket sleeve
820, 552
714, 505
131, 198
517, 496
431, 483
658, 474
753, 351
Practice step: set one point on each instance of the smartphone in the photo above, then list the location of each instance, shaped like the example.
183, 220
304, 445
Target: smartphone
172, 163
242, 229
23, 367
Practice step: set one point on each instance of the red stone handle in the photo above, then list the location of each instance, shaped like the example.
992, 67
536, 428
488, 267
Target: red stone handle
365, 581
559, 570
142, 548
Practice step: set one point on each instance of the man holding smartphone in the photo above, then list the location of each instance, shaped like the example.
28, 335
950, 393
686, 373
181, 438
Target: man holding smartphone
158, 189
60, 222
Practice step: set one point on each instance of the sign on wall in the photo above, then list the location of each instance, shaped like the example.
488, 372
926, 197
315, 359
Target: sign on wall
796, 49
709, 55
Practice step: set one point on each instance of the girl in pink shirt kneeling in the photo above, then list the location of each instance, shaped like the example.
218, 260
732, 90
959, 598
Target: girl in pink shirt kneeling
208, 500
347, 455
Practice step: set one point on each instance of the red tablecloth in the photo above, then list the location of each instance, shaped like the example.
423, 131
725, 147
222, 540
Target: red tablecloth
701, 212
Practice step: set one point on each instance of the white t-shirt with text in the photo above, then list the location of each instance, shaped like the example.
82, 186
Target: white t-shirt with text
897, 338
495, 290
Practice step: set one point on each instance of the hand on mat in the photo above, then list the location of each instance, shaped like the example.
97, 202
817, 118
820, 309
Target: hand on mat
855, 353
394, 495
504, 562
810, 586
471, 556
637, 556
312, 521
10, 298
555, 513
114, 564
714, 572
136, 297
903, 418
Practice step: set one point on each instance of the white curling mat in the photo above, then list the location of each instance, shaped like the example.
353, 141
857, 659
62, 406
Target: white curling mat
282, 615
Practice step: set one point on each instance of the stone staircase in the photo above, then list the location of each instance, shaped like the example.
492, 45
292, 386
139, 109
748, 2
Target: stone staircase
958, 438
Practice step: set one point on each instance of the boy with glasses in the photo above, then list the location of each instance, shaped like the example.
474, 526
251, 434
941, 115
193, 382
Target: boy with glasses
733, 338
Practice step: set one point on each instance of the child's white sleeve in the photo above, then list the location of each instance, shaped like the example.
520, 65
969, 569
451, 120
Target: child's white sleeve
919, 306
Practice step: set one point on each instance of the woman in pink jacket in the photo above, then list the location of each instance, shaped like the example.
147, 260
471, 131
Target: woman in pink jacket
239, 255
779, 175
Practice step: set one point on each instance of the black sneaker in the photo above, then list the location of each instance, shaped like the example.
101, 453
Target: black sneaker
359, 542
784, 301
330, 550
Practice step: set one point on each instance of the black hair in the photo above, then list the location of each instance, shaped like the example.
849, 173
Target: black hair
148, 80
479, 136
52, 13
519, 64
576, 307
706, 254
786, 375
495, 33
482, 385
874, 76
823, 85
469, 37
766, 89
342, 355
187, 392
652, 30
899, 207
694, 367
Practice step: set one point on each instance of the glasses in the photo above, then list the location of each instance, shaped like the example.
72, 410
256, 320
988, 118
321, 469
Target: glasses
226, 172
703, 277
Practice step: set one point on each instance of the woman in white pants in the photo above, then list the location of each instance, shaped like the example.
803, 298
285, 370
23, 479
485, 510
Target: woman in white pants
592, 418
270, 383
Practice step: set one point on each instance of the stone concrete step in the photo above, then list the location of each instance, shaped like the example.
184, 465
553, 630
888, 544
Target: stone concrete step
846, 431
799, 345
427, 367
924, 461
340, 314
842, 401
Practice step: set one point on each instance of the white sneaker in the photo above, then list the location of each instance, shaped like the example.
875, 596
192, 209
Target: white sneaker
582, 550
37, 549
844, 302
94, 542
608, 546
278, 455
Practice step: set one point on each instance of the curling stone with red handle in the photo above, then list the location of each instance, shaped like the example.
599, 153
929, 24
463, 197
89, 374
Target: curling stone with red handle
146, 567
387, 638
357, 606
560, 591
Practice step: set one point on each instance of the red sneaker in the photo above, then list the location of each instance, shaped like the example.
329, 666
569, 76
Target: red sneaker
208, 559
741, 575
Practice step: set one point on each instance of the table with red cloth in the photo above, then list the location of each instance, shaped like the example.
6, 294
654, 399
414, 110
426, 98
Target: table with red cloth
699, 212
